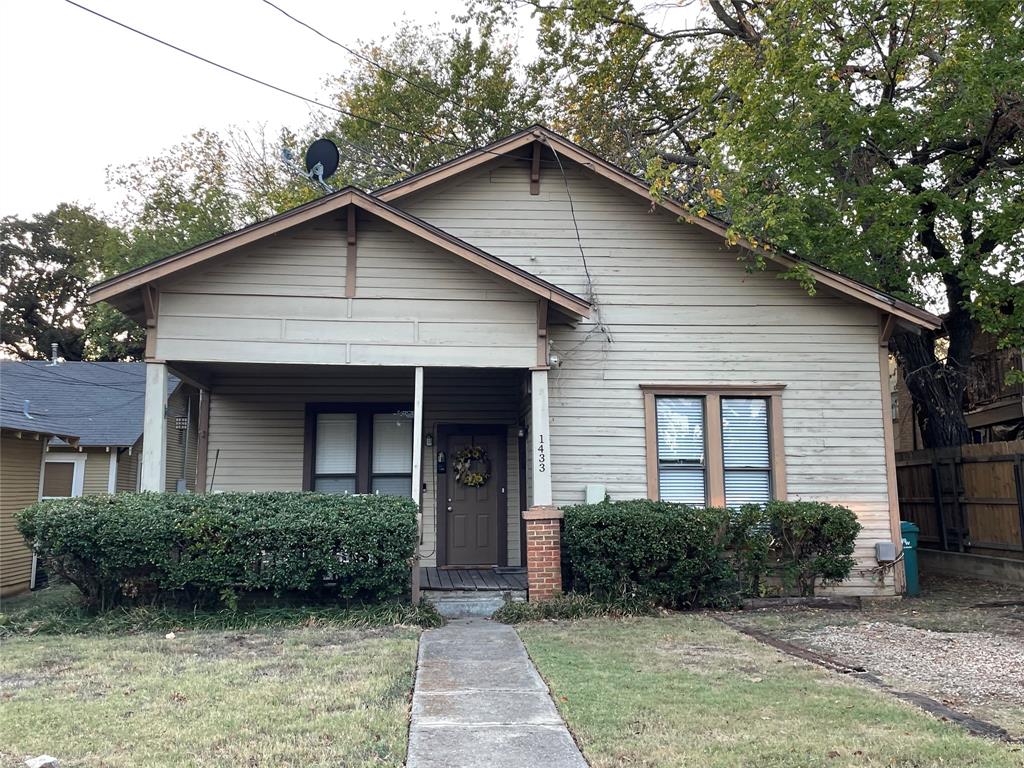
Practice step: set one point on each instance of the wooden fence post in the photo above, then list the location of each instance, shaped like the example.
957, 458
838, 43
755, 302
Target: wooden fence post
1018, 484
939, 511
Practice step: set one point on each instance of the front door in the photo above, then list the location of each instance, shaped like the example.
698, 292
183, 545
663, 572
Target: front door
473, 497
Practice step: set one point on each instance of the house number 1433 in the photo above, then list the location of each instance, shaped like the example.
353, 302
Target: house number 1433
542, 458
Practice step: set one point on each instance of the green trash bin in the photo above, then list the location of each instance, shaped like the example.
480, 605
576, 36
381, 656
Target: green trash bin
908, 532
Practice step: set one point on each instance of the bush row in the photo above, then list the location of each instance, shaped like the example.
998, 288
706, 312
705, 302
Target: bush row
137, 546
688, 557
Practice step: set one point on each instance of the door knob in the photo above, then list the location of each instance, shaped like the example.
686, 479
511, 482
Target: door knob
449, 507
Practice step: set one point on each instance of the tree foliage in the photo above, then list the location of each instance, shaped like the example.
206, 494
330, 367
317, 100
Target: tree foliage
46, 265
431, 96
882, 138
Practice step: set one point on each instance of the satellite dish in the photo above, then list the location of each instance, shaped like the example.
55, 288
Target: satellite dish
322, 159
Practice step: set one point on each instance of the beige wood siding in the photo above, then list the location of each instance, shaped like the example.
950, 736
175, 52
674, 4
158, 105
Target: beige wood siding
284, 301
181, 458
128, 469
257, 424
19, 488
680, 309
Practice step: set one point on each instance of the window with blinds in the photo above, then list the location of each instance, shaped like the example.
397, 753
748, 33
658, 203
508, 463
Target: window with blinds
746, 452
682, 469
392, 455
336, 449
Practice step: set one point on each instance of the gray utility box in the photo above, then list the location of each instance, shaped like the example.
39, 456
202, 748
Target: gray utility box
885, 551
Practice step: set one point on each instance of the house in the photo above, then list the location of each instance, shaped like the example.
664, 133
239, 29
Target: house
75, 428
23, 441
994, 408
516, 330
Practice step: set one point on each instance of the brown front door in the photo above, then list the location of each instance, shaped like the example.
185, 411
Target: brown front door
474, 514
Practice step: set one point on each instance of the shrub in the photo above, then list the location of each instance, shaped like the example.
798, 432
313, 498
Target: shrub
130, 547
571, 606
802, 543
687, 557
58, 610
668, 553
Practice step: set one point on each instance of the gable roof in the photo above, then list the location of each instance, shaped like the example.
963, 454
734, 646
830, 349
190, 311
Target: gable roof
554, 141
100, 404
119, 290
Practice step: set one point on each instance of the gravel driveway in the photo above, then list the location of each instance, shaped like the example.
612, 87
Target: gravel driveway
960, 667
961, 643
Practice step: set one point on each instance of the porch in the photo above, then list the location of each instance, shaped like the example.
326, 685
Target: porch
473, 579
460, 441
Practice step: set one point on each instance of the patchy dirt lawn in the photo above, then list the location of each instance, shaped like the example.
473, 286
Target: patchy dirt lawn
961, 642
316, 696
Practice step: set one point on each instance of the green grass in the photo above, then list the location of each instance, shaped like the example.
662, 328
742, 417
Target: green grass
314, 696
58, 610
686, 690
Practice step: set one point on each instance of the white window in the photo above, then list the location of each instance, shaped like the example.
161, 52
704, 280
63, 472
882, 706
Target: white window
336, 446
682, 469
392, 454
63, 475
746, 454
367, 449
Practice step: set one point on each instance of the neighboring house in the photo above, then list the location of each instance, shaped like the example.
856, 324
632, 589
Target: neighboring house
994, 409
516, 330
23, 439
101, 406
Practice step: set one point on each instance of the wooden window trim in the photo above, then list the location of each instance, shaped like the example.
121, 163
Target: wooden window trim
714, 450
364, 413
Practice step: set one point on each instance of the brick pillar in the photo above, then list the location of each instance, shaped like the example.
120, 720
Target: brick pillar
543, 552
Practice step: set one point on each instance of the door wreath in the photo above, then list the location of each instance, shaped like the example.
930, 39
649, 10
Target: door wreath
472, 466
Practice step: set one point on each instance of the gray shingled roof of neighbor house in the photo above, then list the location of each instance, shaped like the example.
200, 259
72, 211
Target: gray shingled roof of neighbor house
100, 403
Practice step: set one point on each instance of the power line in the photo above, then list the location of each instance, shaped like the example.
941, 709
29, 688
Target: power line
279, 89
363, 57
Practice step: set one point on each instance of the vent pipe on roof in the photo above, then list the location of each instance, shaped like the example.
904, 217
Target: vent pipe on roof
53, 354
24, 410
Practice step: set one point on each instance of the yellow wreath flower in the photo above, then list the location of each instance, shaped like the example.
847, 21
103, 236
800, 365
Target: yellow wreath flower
466, 470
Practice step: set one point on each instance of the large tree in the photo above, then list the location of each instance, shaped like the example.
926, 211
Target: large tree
881, 138
46, 265
426, 96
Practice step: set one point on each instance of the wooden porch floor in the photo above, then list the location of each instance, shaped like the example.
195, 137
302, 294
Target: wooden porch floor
474, 579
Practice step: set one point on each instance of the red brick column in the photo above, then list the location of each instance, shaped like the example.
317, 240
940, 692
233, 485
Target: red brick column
543, 552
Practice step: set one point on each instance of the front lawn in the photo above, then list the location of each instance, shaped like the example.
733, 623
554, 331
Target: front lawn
323, 694
686, 690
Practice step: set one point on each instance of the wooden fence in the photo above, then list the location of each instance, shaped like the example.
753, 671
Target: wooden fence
967, 499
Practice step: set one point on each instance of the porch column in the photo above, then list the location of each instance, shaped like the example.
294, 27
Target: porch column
417, 476
539, 433
543, 519
154, 429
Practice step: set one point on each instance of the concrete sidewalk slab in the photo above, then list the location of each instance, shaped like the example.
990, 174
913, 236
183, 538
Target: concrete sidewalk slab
479, 701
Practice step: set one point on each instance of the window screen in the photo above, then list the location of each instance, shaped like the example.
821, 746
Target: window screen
335, 470
392, 455
681, 464
745, 451
58, 479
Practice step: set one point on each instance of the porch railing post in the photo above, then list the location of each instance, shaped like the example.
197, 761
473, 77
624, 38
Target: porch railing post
417, 476
154, 435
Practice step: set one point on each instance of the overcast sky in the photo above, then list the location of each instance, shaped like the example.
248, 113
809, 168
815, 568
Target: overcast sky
79, 94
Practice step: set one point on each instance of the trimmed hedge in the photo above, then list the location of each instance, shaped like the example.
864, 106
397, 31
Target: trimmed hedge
690, 557
137, 546
669, 553
798, 544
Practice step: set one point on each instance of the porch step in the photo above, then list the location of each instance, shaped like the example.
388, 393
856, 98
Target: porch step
461, 604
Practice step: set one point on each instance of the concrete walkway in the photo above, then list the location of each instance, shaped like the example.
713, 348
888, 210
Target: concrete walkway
479, 702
